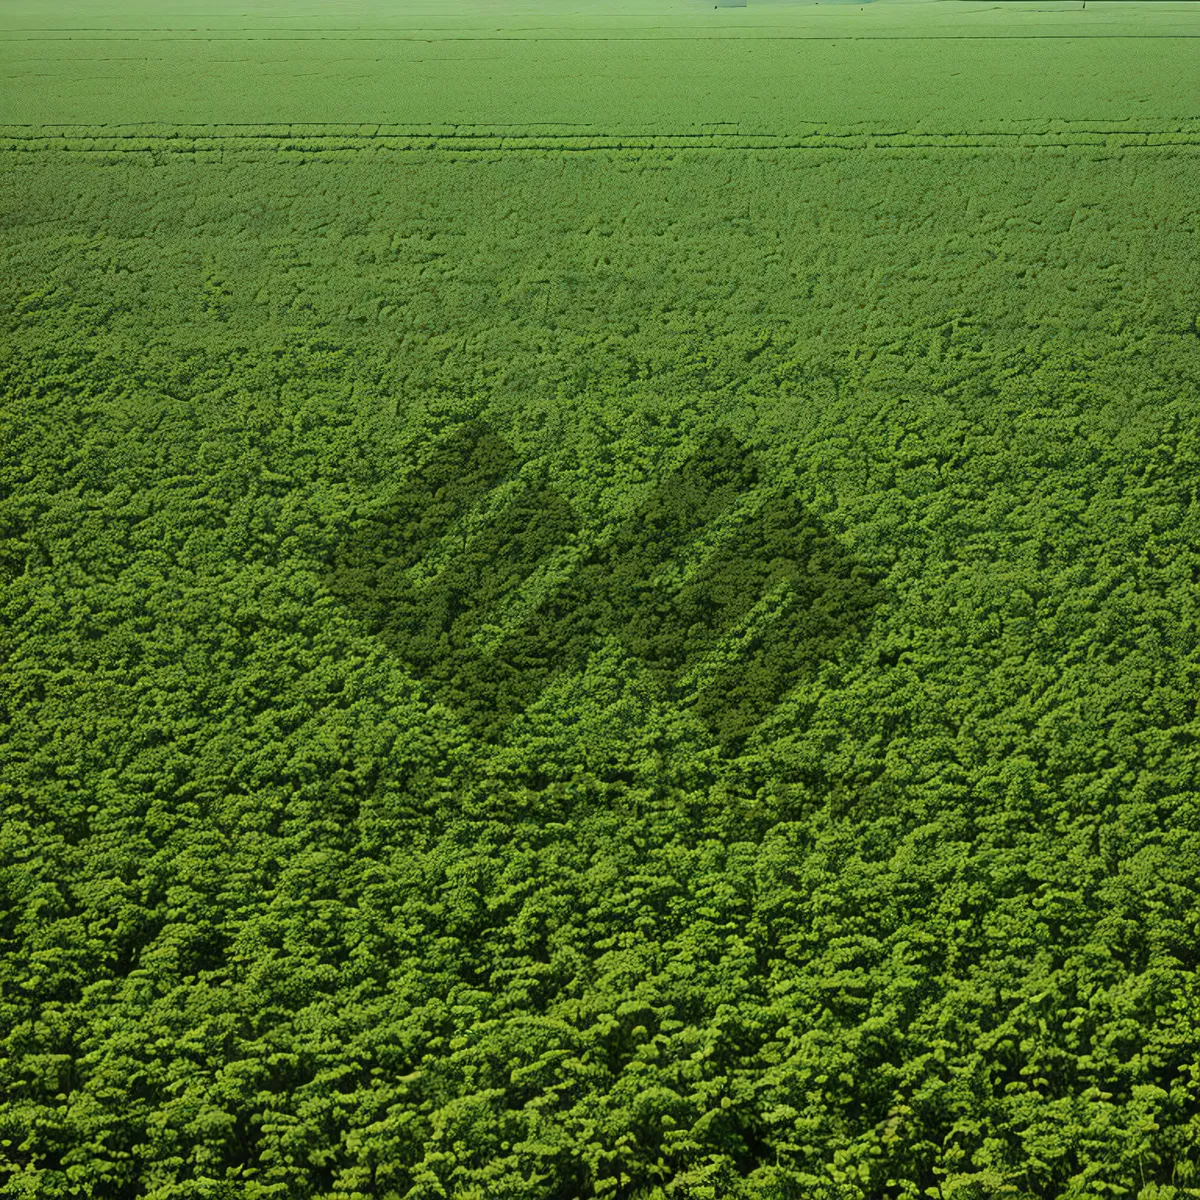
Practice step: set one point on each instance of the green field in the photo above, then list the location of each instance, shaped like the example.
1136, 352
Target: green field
600, 601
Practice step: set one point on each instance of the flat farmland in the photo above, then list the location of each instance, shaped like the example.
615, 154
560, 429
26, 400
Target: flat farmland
600, 601
946, 65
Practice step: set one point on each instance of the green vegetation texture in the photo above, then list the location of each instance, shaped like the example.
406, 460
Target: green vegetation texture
544, 665
944, 65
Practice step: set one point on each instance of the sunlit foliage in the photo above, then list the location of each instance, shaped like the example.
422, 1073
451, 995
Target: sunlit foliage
636, 674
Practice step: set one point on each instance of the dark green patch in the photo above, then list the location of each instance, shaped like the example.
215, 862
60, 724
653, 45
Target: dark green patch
670, 627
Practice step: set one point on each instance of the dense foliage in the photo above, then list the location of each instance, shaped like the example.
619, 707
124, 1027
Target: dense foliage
546, 680
432, 624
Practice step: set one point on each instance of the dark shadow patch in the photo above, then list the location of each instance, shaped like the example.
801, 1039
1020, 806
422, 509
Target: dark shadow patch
824, 596
430, 625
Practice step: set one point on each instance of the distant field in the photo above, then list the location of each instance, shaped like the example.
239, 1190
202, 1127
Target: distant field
600, 618
944, 66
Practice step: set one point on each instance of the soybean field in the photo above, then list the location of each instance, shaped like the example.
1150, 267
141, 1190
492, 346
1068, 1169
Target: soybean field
600, 601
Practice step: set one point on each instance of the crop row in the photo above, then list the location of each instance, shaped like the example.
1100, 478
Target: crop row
192, 138
219, 146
